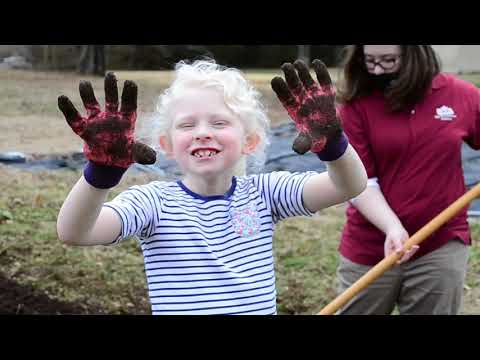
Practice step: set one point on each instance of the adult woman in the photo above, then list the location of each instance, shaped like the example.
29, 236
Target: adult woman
407, 121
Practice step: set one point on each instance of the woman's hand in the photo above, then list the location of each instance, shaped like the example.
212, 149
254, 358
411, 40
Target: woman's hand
395, 241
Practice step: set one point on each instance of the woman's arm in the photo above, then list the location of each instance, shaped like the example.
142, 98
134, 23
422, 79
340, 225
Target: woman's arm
373, 205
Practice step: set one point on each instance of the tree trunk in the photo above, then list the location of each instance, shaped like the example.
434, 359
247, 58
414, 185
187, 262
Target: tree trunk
45, 56
82, 66
99, 60
304, 53
92, 60
54, 57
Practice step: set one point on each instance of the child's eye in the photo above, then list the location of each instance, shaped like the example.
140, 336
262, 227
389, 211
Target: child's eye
220, 123
185, 126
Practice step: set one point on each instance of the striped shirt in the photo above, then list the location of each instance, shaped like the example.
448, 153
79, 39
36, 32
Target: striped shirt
210, 254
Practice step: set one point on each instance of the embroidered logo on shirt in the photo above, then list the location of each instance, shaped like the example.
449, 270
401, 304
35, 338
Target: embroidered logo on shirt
245, 221
445, 113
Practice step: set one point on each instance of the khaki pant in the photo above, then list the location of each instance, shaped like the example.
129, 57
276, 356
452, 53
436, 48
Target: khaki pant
429, 285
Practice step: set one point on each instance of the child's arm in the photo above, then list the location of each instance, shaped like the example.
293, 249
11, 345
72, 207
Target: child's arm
345, 178
312, 106
83, 221
110, 149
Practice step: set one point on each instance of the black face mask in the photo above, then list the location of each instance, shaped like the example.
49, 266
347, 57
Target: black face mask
383, 81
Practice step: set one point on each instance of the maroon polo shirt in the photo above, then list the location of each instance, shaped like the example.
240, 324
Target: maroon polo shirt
416, 156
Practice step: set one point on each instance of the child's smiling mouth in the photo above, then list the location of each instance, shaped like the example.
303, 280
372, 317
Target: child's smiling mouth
204, 153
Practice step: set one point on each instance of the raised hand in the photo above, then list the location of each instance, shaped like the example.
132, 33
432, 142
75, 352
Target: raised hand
310, 105
108, 135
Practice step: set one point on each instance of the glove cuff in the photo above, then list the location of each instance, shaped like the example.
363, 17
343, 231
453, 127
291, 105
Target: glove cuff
334, 150
101, 176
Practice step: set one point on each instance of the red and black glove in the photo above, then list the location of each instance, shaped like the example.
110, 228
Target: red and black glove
312, 108
109, 145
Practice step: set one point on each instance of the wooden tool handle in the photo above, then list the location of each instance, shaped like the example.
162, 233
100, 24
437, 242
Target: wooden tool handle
390, 260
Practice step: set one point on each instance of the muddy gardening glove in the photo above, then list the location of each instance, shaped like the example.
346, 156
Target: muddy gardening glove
109, 145
312, 108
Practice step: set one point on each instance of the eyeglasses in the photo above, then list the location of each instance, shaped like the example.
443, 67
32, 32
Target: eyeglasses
387, 63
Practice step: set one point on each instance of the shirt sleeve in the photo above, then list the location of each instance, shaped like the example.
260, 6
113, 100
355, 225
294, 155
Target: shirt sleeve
283, 193
356, 128
137, 208
473, 139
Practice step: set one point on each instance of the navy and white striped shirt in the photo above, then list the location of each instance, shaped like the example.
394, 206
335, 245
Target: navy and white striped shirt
210, 254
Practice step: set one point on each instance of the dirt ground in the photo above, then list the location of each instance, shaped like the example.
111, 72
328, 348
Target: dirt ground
17, 299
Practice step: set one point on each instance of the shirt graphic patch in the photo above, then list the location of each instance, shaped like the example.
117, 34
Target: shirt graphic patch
445, 113
245, 221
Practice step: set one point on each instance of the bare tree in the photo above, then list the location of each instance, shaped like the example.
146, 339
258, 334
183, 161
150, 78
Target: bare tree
304, 53
50, 57
92, 60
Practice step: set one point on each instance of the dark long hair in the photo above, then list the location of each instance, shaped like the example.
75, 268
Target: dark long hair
419, 65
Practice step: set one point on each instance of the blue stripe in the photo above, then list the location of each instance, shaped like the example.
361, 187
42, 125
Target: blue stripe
299, 204
177, 220
213, 279
218, 307
252, 247
194, 227
197, 222
219, 237
218, 257
213, 300
160, 261
212, 293
189, 239
125, 221
280, 191
209, 286
299, 195
294, 198
181, 196
154, 210
138, 204
193, 216
270, 195
195, 259
210, 273
186, 267
188, 204
201, 228
305, 211
251, 261
250, 311
287, 201
252, 254
177, 254
201, 266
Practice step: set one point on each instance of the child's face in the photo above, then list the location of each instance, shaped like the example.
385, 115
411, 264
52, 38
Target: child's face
206, 138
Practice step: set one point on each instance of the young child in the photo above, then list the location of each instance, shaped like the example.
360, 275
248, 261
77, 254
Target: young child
207, 238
